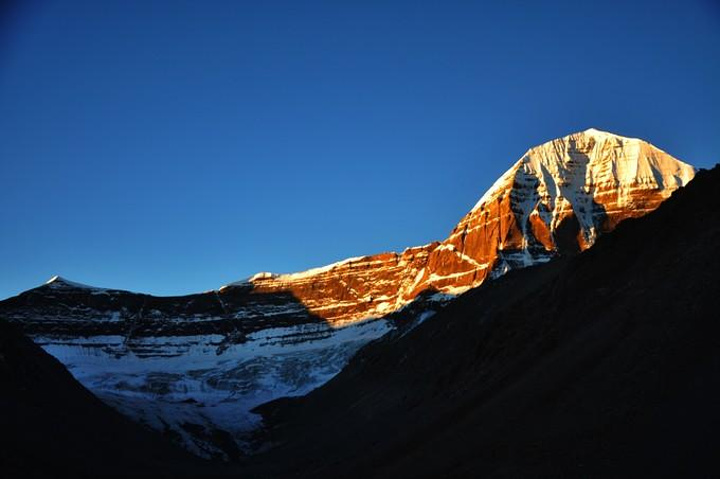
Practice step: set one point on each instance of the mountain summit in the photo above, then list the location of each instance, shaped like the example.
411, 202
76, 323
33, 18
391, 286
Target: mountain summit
562, 194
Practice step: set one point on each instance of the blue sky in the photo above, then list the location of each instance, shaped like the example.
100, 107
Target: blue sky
172, 147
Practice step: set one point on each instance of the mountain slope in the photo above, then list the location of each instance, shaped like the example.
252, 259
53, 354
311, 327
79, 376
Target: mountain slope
603, 365
194, 366
50, 426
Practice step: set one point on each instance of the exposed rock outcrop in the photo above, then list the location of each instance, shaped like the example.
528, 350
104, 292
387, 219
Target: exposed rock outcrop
558, 197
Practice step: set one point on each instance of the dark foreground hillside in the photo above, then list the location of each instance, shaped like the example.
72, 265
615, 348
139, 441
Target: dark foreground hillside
50, 426
602, 365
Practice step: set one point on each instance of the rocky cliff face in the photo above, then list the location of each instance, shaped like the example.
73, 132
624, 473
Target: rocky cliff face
195, 365
558, 197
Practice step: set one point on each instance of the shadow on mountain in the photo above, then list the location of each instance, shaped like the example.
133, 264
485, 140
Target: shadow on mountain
50, 426
46, 409
404, 320
89, 311
569, 234
605, 364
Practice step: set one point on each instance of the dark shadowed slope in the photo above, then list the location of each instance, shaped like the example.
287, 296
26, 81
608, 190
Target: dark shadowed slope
50, 426
605, 364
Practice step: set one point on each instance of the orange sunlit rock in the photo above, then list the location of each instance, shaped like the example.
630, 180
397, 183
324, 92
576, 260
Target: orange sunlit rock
557, 198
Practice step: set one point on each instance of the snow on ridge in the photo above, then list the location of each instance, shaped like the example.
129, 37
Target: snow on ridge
499, 185
263, 275
638, 156
60, 282
249, 280
168, 381
318, 270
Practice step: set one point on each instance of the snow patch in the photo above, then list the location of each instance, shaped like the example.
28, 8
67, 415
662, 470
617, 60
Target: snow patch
60, 282
169, 381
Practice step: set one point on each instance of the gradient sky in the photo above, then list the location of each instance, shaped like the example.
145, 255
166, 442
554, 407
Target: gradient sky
172, 147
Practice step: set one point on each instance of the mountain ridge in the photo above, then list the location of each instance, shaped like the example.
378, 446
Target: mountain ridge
566, 179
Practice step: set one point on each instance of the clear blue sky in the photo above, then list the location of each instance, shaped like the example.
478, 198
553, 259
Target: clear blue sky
172, 147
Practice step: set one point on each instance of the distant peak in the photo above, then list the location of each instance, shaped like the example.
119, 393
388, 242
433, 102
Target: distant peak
60, 282
54, 279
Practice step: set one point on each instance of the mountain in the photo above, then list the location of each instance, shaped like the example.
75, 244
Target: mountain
194, 366
602, 364
191, 367
559, 196
50, 426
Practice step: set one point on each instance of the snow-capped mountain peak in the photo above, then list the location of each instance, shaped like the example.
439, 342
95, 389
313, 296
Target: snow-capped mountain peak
593, 157
565, 192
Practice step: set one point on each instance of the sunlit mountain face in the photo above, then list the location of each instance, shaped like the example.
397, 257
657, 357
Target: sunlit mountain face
600, 364
195, 366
